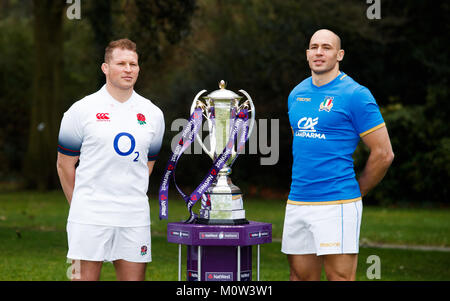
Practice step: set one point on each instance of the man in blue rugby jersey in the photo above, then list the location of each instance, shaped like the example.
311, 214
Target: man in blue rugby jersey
329, 113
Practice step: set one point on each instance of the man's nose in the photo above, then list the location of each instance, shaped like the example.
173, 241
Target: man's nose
127, 68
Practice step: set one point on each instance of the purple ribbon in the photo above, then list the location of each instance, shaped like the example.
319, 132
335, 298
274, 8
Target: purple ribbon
187, 137
239, 126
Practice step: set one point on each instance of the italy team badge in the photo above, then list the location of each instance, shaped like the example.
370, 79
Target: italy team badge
327, 104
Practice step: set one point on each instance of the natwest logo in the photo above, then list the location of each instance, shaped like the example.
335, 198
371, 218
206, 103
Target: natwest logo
102, 116
219, 276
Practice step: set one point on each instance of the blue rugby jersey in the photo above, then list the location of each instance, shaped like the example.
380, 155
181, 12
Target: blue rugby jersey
327, 123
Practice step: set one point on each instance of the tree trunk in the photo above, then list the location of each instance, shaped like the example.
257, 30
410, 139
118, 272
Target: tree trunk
40, 159
100, 17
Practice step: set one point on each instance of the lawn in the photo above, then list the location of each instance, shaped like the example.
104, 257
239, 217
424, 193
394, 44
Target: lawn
33, 241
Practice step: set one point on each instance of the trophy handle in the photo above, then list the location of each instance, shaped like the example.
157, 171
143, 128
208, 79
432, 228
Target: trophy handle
194, 105
250, 128
252, 109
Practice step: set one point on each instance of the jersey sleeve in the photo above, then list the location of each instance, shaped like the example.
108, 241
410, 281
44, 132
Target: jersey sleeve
70, 134
155, 146
291, 99
365, 113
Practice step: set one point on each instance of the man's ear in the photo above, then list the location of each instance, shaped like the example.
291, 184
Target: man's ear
340, 55
105, 68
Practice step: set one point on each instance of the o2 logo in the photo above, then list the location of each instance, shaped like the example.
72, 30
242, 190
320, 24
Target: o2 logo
132, 145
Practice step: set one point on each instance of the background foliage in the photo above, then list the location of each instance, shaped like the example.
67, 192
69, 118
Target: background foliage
258, 46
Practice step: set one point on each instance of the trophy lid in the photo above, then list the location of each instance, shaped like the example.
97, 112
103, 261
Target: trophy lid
223, 93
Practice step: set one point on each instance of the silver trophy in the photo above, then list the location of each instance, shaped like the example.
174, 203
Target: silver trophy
222, 202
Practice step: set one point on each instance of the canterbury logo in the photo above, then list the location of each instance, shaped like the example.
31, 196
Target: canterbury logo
102, 116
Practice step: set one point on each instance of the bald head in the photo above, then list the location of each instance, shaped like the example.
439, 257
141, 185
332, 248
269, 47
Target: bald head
326, 35
324, 53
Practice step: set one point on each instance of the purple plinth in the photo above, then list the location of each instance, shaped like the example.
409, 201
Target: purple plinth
254, 233
219, 263
219, 248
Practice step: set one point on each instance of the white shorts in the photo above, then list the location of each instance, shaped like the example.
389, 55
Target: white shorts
322, 229
106, 243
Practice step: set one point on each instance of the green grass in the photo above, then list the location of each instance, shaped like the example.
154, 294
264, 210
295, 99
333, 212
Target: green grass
33, 241
406, 226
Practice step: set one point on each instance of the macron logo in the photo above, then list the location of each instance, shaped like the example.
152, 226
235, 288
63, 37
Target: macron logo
102, 116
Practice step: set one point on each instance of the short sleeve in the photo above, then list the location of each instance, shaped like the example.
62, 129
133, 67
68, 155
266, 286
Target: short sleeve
155, 146
289, 101
365, 113
70, 134
291, 98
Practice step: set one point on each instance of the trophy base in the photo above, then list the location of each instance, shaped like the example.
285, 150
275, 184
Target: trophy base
204, 221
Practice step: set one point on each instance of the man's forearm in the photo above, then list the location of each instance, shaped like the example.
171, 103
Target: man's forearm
376, 167
67, 178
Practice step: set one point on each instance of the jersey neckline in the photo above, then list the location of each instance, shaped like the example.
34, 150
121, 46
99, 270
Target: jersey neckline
111, 99
327, 84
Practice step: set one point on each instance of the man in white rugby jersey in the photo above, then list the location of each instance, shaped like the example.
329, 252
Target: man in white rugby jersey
115, 134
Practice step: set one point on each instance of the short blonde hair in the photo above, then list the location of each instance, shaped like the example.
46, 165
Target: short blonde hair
122, 44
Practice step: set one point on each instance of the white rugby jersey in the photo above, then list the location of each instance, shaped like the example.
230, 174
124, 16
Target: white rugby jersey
114, 141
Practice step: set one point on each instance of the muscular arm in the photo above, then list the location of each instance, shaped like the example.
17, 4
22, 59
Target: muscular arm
65, 166
380, 158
